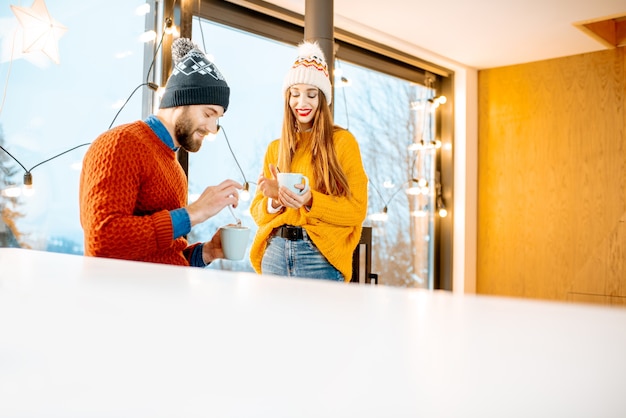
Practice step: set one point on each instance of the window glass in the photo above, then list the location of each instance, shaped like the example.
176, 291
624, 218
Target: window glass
51, 112
254, 68
50, 108
386, 114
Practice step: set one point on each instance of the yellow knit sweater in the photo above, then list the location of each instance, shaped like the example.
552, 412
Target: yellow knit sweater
333, 223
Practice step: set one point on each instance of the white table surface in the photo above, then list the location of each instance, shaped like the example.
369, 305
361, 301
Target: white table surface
86, 337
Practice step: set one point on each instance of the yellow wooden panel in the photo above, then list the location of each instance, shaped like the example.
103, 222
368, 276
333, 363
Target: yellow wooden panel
552, 177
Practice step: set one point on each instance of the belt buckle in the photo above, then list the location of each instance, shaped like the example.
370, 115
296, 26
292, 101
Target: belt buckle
293, 233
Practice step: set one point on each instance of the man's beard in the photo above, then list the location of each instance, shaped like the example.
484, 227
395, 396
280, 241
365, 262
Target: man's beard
184, 134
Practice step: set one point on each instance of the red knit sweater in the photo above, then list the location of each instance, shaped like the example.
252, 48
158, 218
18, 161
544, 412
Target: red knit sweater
129, 182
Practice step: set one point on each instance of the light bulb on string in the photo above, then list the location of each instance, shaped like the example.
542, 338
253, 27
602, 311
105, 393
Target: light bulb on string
28, 191
440, 205
414, 191
172, 31
415, 146
340, 79
383, 216
441, 99
420, 213
169, 26
441, 208
437, 101
344, 82
417, 105
380, 216
244, 194
28, 176
28, 180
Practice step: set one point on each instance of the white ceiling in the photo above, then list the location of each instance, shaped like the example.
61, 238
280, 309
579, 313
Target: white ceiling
475, 33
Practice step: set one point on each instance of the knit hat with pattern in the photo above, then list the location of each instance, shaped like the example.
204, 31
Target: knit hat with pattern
310, 68
195, 80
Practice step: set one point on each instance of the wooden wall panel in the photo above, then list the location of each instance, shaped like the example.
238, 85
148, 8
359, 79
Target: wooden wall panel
552, 178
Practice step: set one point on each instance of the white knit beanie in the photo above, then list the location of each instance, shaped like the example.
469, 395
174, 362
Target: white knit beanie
310, 68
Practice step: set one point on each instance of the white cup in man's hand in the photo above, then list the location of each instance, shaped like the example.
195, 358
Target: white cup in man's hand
289, 180
234, 241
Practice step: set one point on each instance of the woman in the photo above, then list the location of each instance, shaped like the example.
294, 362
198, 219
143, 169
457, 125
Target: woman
310, 234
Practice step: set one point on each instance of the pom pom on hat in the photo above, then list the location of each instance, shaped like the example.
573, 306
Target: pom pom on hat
180, 48
195, 80
310, 68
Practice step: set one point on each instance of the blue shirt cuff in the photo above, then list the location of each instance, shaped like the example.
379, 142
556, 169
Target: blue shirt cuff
196, 257
181, 224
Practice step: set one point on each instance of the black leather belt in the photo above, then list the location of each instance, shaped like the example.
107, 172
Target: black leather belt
292, 233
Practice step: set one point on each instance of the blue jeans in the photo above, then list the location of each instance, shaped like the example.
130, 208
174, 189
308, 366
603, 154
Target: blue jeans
299, 258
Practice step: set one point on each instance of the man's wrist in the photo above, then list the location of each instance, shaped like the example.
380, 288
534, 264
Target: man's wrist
207, 253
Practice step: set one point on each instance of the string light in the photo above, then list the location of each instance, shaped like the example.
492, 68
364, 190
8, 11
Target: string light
169, 29
414, 191
435, 103
439, 100
244, 194
344, 82
28, 177
422, 145
420, 187
441, 209
383, 216
28, 180
439, 203
421, 213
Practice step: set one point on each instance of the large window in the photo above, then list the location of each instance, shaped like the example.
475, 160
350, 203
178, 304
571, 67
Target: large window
392, 117
252, 66
48, 109
51, 112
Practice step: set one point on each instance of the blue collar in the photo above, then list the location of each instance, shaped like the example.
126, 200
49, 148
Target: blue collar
161, 131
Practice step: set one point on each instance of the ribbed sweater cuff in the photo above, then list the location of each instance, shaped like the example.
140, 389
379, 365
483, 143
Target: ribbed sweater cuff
163, 228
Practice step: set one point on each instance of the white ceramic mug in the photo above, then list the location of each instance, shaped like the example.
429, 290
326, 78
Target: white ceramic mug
289, 180
234, 241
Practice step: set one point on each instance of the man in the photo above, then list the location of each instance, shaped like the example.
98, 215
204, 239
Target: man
133, 191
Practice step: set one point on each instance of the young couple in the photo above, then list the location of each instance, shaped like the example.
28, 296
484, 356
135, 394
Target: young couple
133, 192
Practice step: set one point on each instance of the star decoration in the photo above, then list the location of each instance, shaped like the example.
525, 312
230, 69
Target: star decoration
41, 31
